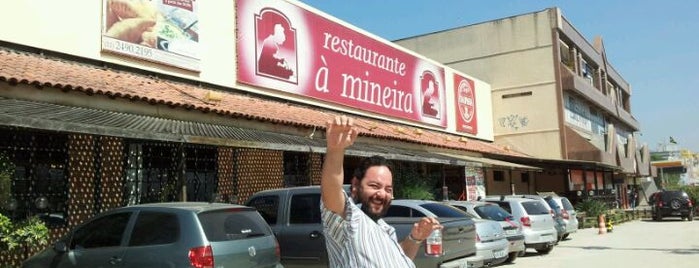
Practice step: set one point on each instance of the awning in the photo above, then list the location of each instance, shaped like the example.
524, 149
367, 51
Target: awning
493, 163
62, 118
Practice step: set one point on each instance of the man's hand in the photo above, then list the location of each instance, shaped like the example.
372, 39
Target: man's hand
422, 229
340, 133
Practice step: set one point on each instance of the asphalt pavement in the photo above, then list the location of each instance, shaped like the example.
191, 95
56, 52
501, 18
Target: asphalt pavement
639, 243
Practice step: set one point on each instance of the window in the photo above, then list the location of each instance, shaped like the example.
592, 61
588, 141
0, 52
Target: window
588, 72
154, 228
498, 175
153, 170
227, 225
40, 175
296, 167
566, 54
525, 177
305, 209
402, 211
102, 232
267, 206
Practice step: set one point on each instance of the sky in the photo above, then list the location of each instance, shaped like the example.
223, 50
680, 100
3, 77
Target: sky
654, 45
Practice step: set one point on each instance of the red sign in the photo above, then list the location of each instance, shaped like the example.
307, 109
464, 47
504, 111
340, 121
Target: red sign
465, 103
286, 48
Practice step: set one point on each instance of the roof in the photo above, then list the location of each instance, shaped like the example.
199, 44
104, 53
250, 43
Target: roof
78, 75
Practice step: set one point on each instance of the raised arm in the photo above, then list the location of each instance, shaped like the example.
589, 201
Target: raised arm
340, 134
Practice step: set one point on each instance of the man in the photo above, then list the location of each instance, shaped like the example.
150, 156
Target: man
358, 237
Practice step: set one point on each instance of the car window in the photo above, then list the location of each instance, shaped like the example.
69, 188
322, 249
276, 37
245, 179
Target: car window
233, 224
267, 206
566, 204
535, 208
492, 212
305, 209
105, 231
403, 211
445, 211
505, 206
154, 228
553, 205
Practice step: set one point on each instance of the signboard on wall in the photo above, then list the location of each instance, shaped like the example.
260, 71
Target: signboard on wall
284, 47
465, 103
162, 31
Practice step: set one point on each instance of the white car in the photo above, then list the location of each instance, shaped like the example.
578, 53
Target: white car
538, 225
491, 241
491, 211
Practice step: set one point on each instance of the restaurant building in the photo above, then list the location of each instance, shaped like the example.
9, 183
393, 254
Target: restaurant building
118, 102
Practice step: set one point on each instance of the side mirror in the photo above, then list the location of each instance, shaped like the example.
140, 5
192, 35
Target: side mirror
60, 247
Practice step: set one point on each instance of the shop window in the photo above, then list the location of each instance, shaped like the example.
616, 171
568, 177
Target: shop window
498, 175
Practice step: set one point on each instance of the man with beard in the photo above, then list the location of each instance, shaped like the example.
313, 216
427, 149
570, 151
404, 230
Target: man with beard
354, 236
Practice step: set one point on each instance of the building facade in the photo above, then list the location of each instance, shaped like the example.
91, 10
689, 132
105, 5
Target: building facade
215, 100
555, 97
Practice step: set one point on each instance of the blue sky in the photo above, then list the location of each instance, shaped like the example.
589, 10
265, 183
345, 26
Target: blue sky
654, 45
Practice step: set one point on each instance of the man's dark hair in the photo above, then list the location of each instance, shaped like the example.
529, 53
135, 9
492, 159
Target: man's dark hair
368, 162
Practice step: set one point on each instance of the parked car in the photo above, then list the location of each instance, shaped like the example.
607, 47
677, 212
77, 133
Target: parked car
567, 212
294, 215
491, 241
556, 213
538, 225
184, 234
671, 204
491, 211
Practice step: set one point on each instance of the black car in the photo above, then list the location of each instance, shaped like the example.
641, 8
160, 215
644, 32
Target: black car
671, 204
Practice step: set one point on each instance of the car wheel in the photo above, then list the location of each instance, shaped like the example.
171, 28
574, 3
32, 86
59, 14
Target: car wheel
512, 257
675, 204
545, 250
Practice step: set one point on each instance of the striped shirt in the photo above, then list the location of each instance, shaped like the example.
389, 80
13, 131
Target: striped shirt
357, 241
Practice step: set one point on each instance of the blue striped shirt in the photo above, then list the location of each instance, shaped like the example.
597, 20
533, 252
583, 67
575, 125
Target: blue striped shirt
357, 241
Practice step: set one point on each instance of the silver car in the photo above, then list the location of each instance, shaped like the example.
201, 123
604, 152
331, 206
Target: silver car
491, 242
183, 234
570, 216
538, 225
491, 211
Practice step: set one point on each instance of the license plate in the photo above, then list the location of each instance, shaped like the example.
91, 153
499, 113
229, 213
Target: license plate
511, 232
501, 253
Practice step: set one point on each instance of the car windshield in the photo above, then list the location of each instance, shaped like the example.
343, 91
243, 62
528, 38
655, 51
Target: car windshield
492, 212
535, 208
233, 224
445, 211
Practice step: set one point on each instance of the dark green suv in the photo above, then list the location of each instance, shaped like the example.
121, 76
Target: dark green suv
671, 204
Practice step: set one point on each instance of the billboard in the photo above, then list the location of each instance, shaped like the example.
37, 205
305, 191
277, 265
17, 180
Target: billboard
162, 31
283, 47
465, 103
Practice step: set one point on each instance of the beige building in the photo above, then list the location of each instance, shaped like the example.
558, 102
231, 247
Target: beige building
555, 96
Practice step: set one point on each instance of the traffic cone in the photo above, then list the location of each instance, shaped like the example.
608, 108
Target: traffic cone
602, 225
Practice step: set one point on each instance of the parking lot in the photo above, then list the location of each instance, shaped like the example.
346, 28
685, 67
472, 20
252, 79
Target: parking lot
640, 243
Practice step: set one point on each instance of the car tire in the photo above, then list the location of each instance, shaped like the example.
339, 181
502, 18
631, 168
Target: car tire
512, 257
675, 204
545, 250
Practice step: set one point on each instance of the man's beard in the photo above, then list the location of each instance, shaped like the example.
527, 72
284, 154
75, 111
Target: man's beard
366, 206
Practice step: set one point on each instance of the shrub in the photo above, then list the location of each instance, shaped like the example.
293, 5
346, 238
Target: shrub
30, 232
592, 207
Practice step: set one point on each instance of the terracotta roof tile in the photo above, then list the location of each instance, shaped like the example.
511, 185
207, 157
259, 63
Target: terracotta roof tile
49, 72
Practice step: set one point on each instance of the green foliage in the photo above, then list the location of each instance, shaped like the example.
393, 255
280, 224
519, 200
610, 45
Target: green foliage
410, 184
30, 232
592, 207
692, 191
